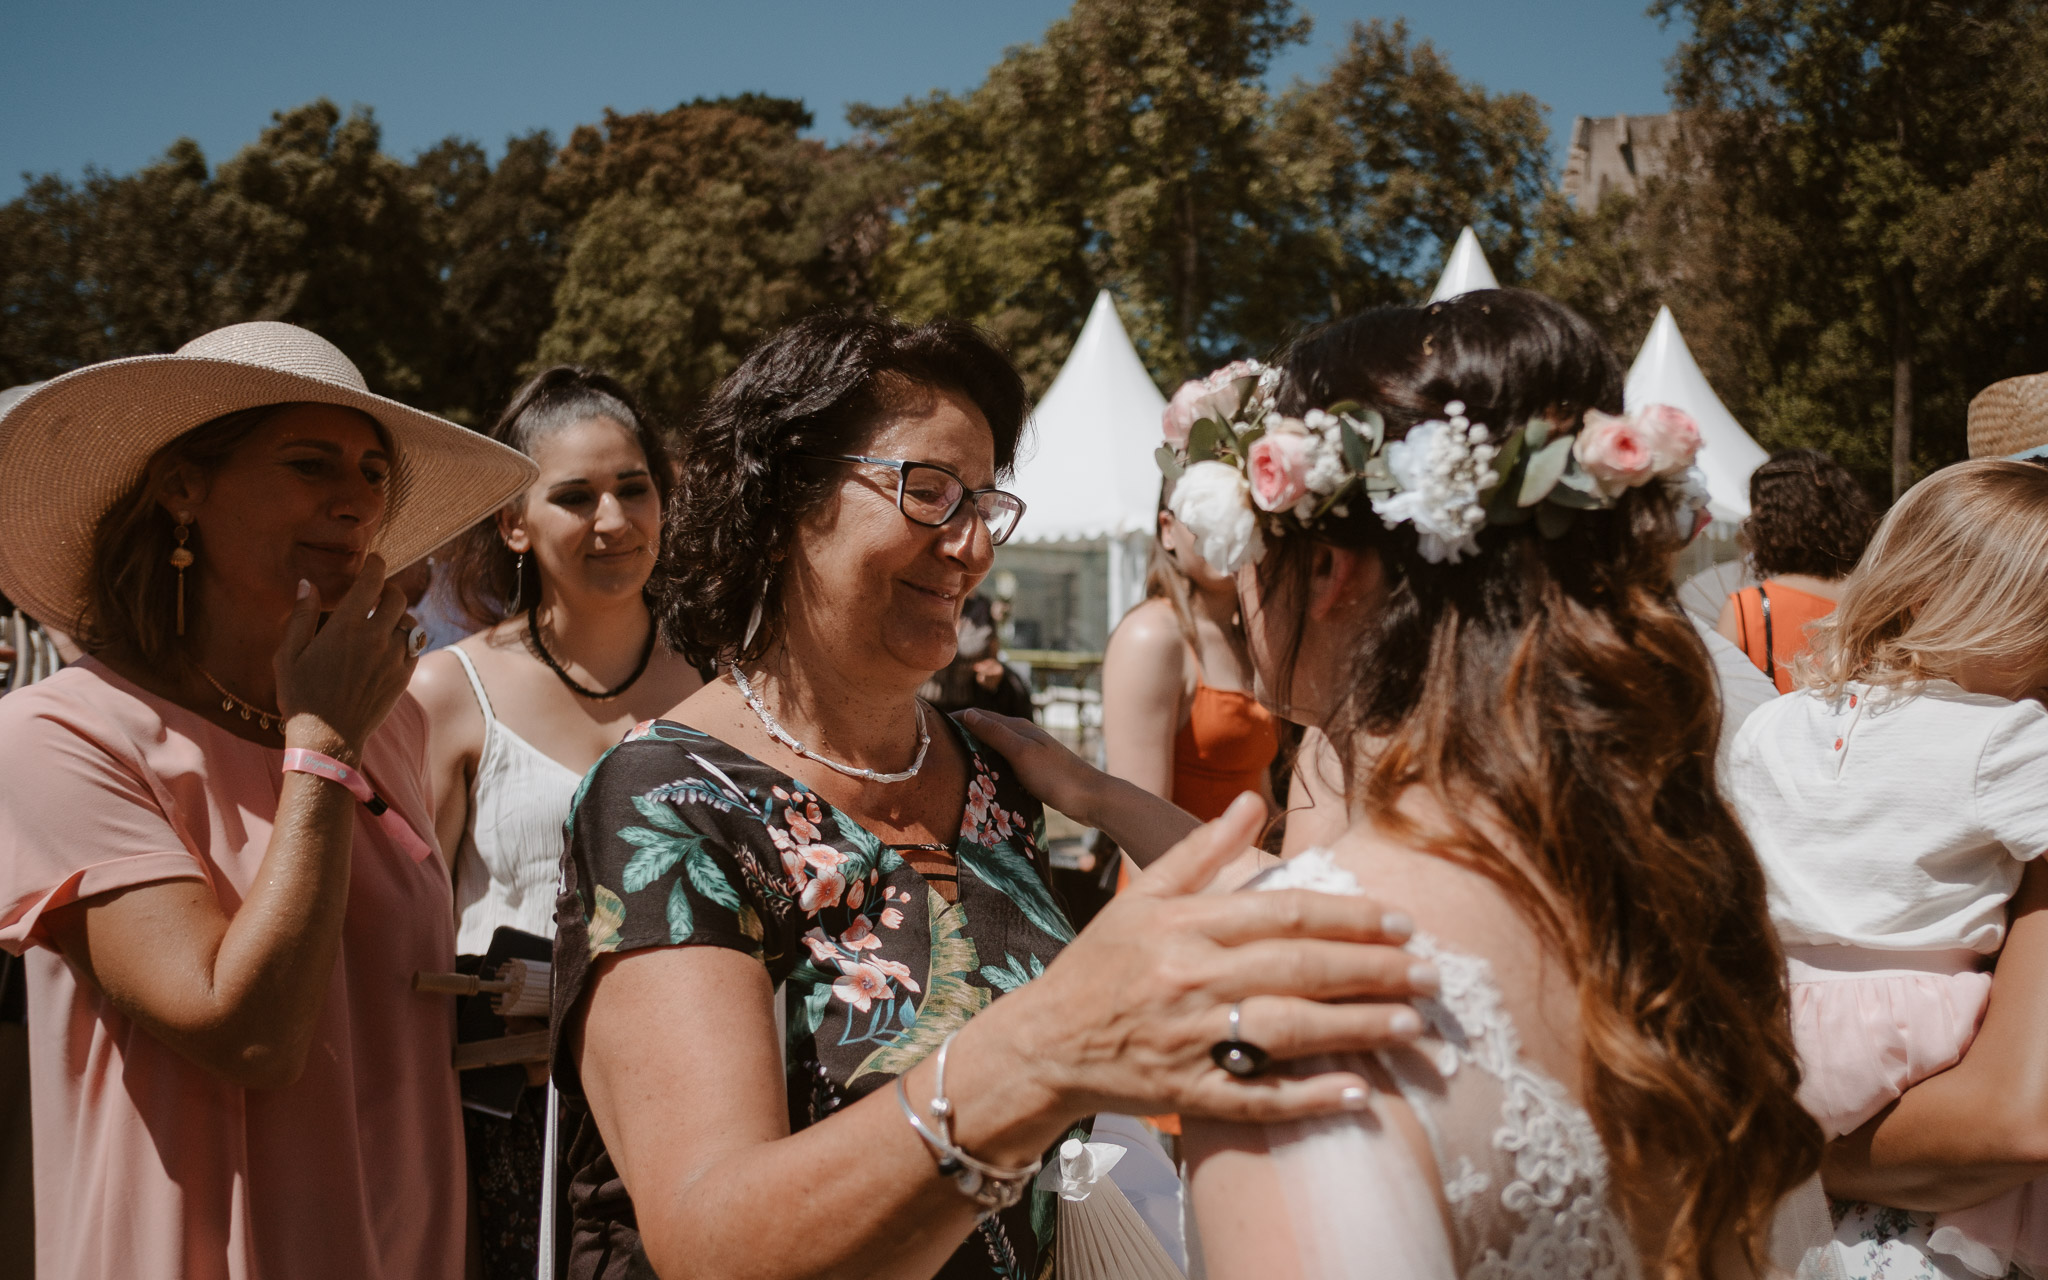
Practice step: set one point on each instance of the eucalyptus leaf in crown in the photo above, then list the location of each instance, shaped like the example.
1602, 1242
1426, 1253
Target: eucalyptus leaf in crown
1239, 464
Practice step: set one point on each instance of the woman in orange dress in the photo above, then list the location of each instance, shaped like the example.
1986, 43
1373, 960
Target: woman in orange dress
1809, 521
1178, 714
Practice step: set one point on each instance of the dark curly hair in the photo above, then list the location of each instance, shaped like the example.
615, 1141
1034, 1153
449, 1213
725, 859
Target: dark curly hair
1554, 682
815, 387
484, 574
1807, 515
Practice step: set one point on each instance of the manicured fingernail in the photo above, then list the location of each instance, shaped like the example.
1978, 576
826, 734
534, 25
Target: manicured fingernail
1405, 1022
1423, 977
1397, 926
1356, 1099
305, 588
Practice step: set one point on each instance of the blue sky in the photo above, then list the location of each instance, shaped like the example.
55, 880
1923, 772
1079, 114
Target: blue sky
113, 82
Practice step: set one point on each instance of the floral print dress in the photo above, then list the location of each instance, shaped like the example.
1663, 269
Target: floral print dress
881, 952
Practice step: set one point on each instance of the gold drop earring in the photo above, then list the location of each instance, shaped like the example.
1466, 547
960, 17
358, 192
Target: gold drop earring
181, 560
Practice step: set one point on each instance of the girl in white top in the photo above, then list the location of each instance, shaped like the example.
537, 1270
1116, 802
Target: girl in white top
1893, 800
520, 711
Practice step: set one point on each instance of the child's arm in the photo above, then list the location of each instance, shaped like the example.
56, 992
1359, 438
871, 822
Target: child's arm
1981, 1127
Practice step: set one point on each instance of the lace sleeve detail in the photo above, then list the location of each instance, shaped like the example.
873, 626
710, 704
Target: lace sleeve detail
1520, 1165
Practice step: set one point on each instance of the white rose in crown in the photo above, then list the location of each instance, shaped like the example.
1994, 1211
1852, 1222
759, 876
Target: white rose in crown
1214, 502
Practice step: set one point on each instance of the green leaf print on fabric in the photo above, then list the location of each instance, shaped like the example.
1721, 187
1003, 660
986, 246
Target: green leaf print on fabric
1012, 973
681, 923
662, 815
1005, 870
949, 998
869, 853
658, 852
708, 878
605, 922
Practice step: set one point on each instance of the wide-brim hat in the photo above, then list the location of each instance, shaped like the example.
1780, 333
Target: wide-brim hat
73, 445
2009, 419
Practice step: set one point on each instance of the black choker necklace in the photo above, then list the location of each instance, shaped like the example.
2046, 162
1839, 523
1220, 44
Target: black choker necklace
533, 636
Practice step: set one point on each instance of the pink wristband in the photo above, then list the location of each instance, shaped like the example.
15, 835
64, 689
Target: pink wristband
300, 760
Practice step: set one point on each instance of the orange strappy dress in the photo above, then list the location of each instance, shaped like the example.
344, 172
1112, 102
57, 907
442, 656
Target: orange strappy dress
1771, 621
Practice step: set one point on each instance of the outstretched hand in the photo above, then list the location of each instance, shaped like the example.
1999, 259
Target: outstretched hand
1130, 1010
1043, 764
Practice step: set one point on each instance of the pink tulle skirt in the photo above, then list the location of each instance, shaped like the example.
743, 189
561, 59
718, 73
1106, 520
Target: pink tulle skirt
1872, 1024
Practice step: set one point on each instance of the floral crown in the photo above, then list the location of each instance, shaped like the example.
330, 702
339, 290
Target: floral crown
1236, 459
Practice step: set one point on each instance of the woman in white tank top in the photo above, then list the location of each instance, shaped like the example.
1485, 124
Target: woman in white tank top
566, 663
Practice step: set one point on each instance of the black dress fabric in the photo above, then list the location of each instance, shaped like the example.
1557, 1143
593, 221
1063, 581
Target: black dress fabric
679, 839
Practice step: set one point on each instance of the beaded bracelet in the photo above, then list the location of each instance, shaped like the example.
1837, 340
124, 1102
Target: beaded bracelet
992, 1188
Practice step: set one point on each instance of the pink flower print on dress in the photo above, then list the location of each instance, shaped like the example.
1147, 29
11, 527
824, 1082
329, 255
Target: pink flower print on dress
856, 894
898, 970
862, 986
821, 946
860, 936
827, 885
799, 826
892, 918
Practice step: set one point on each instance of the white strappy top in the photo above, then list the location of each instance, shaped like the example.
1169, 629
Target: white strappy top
510, 860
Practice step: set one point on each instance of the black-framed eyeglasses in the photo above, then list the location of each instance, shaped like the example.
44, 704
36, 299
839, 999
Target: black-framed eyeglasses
928, 494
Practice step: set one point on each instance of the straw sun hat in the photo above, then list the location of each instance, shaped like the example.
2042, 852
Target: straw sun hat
73, 445
2009, 419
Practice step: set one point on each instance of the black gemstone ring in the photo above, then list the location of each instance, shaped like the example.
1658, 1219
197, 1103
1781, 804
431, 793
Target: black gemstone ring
1237, 1055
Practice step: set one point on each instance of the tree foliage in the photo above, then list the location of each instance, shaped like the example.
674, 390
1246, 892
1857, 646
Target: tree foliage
1849, 238
1136, 148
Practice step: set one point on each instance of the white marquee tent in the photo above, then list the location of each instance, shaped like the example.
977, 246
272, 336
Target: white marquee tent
1088, 478
1466, 270
1666, 373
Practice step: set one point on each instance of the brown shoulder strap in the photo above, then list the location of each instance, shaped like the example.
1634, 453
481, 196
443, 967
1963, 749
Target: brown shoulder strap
1770, 665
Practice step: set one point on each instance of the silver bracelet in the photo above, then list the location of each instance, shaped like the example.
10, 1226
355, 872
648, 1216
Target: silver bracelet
991, 1187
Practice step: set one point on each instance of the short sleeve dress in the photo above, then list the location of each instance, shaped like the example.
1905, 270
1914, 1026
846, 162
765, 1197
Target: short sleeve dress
880, 951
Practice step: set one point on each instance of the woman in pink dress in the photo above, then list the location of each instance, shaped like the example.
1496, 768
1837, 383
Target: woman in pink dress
216, 846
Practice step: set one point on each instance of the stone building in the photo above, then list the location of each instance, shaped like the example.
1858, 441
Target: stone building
1615, 154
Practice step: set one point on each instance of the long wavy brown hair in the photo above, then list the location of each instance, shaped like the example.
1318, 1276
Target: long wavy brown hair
1553, 686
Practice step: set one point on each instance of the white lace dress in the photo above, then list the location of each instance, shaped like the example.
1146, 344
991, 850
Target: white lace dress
1521, 1166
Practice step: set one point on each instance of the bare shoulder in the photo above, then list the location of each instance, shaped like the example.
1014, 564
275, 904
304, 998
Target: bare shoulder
441, 687
1149, 632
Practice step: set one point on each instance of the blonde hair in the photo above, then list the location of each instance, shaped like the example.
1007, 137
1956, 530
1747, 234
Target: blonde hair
1958, 572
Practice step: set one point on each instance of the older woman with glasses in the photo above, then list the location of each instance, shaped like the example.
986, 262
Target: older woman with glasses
806, 822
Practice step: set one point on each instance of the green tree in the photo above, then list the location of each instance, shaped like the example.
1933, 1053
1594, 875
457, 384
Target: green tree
1846, 150
501, 243
1136, 147
1391, 154
1127, 148
331, 233
698, 231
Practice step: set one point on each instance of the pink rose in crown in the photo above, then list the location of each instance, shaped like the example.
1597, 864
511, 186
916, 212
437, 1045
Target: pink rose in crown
1674, 437
1614, 451
1215, 396
1278, 470
1181, 412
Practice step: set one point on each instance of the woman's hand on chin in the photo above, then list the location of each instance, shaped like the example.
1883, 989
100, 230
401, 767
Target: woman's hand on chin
336, 682
1044, 765
1125, 1018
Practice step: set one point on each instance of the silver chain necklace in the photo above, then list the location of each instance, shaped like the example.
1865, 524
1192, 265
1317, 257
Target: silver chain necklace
783, 736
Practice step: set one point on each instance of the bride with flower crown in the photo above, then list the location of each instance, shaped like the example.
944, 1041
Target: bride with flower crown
1453, 554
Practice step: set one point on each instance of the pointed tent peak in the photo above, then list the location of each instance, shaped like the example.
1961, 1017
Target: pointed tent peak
1466, 271
1666, 373
1089, 473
